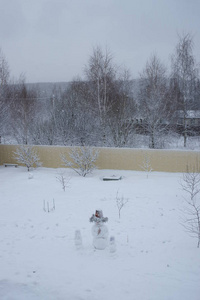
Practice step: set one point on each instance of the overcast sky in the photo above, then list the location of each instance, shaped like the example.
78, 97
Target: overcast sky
51, 40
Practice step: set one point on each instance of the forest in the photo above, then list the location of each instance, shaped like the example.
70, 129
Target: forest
106, 108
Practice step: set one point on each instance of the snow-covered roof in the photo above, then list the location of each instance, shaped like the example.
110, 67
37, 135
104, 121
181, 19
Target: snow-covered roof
190, 114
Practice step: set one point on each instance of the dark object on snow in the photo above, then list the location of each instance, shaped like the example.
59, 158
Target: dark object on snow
112, 178
98, 217
10, 165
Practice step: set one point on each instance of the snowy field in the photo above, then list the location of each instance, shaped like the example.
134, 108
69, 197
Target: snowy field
154, 259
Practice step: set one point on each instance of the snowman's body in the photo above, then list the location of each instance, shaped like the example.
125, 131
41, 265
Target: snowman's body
100, 235
99, 230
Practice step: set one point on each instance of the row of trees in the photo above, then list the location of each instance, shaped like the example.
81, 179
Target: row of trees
106, 107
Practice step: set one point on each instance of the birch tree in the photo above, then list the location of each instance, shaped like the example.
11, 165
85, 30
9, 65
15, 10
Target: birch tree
100, 75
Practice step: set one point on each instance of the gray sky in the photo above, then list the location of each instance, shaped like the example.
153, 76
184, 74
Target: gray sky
51, 40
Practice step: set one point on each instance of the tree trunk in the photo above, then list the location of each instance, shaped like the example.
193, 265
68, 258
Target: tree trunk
185, 131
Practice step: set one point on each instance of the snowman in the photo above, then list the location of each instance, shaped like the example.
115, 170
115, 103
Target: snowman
99, 230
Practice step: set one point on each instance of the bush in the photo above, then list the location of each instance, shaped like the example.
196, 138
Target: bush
27, 155
82, 161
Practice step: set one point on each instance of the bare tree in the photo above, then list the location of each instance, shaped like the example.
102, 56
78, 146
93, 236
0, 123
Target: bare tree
4, 85
121, 202
121, 116
77, 120
191, 212
28, 156
153, 107
43, 132
4, 70
82, 160
64, 181
98, 109
23, 110
185, 77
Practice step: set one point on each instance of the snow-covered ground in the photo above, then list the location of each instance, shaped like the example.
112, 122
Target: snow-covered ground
155, 259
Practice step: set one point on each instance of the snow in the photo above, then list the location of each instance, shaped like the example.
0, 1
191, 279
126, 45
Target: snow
154, 258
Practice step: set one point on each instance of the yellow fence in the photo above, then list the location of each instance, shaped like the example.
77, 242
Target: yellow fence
115, 158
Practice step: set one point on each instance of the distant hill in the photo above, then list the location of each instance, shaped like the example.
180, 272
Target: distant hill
48, 88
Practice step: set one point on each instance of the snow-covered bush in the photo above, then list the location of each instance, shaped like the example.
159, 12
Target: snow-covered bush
83, 160
191, 212
27, 155
146, 164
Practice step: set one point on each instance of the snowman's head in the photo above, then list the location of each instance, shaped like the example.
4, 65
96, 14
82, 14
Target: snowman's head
99, 213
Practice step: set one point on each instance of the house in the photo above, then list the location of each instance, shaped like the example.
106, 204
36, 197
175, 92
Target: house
191, 119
